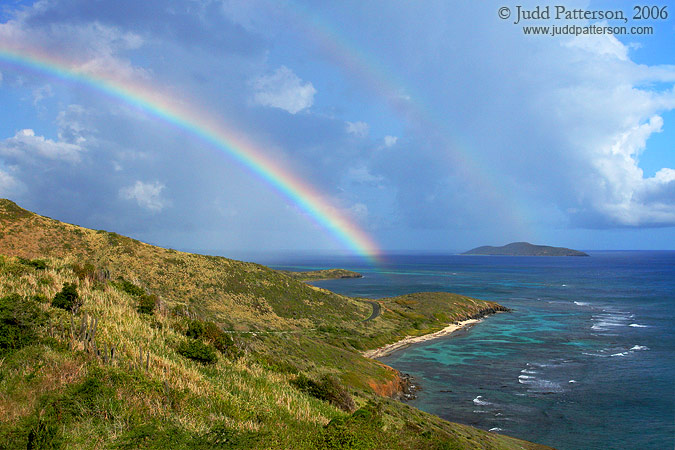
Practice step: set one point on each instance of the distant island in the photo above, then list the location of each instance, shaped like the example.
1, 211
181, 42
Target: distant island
326, 274
524, 249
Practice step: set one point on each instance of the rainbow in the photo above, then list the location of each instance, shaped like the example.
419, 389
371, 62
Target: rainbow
218, 135
402, 98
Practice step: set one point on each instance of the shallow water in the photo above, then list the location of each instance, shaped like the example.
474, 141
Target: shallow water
584, 361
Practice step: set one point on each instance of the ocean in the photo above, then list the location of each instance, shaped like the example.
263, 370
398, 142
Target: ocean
586, 359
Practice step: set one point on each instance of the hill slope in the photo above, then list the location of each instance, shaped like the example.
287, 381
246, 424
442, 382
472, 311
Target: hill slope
238, 295
163, 349
524, 249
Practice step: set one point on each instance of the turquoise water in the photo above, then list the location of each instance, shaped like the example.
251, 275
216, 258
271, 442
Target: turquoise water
584, 361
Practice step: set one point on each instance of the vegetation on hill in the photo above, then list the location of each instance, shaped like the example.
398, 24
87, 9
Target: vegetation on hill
199, 352
324, 274
524, 249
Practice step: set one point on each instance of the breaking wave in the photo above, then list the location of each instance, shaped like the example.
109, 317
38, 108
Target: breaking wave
480, 402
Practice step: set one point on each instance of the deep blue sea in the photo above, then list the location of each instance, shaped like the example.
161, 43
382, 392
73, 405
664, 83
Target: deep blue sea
586, 360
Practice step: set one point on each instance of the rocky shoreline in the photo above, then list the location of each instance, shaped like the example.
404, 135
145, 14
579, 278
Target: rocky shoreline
408, 388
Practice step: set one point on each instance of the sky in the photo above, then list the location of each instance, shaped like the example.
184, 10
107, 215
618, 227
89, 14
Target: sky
433, 126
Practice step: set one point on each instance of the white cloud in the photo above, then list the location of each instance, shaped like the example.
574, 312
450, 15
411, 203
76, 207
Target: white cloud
358, 129
92, 47
283, 89
41, 93
623, 193
608, 111
74, 126
361, 174
359, 211
600, 44
147, 195
9, 185
390, 141
25, 144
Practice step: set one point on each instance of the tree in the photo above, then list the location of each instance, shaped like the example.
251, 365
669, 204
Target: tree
67, 298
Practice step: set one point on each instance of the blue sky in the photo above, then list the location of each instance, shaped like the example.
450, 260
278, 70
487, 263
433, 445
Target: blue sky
434, 126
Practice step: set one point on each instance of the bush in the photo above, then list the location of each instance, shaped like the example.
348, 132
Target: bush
327, 389
337, 436
84, 271
222, 341
68, 298
37, 264
210, 332
198, 351
361, 430
146, 304
129, 287
196, 329
225, 345
40, 298
19, 322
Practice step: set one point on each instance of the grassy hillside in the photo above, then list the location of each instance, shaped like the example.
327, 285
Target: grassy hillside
106, 342
237, 295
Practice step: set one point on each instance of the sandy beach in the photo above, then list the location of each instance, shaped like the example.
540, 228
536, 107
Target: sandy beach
391, 348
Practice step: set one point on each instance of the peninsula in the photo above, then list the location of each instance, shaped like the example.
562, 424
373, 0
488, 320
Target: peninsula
324, 274
524, 249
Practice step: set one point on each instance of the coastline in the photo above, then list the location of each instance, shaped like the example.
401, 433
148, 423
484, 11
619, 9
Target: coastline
409, 340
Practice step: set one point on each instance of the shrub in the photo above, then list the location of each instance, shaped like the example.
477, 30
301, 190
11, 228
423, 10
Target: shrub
40, 298
196, 329
336, 435
210, 332
68, 298
129, 287
19, 322
225, 345
361, 430
146, 304
222, 341
37, 264
327, 389
197, 351
86, 270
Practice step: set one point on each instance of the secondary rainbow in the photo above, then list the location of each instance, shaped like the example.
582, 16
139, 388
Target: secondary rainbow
186, 117
404, 100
